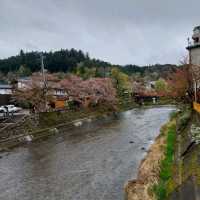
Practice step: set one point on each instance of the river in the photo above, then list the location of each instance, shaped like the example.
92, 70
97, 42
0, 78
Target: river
90, 162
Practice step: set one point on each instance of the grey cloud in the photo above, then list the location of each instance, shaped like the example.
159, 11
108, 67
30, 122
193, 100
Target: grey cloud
118, 31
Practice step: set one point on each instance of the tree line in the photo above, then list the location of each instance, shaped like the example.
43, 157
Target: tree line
57, 61
72, 60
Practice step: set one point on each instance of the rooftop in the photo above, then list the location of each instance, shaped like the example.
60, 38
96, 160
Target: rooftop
195, 43
196, 28
193, 46
5, 86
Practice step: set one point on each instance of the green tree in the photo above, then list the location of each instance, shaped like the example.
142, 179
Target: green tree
80, 70
121, 80
160, 85
24, 71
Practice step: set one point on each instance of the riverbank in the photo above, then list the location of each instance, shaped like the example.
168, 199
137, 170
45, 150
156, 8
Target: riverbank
157, 177
48, 124
148, 173
186, 169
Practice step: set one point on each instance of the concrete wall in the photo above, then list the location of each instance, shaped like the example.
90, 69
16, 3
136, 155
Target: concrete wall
195, 56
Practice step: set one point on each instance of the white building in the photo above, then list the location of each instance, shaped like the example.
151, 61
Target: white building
194, 59
5, 89
5, 94
24, 83
194, 47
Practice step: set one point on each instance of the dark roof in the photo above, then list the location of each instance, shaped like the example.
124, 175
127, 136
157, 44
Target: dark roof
193, 47
197, 28
24, 78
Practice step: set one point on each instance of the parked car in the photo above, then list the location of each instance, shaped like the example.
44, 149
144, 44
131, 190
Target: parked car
10, 109
2, 109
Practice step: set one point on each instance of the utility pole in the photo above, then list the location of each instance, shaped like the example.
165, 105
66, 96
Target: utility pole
104, 71
44, 80
43, 70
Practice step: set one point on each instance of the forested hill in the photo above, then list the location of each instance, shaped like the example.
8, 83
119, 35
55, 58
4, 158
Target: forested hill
160, 70
63, 61
68, 61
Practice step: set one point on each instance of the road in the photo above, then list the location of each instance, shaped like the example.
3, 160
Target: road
86, 163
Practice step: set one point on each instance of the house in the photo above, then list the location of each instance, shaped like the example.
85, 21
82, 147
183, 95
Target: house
150, 85
56, 89
6, 91
51, 82
23, 83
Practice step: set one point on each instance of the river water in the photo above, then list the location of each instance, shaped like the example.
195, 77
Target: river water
91, 162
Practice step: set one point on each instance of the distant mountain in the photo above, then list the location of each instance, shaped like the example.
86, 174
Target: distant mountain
160, 70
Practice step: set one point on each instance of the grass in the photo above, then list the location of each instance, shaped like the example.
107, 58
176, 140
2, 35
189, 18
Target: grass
166, 168
167, 182
173, 115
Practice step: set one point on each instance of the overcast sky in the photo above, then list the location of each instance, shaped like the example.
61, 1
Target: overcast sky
119, 31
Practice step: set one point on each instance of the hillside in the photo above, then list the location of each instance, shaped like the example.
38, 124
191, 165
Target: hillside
70, 60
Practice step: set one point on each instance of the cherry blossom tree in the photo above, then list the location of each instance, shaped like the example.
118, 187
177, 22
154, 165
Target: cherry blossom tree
90, 92
179, 83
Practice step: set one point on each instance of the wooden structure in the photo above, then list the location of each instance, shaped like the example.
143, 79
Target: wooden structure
60, 103
196, 107
145, 97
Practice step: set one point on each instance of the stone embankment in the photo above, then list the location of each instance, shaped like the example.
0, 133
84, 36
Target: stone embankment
181, 180
29, 129
187, 162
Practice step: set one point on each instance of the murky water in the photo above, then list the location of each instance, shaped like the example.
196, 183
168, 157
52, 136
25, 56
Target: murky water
92, 162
